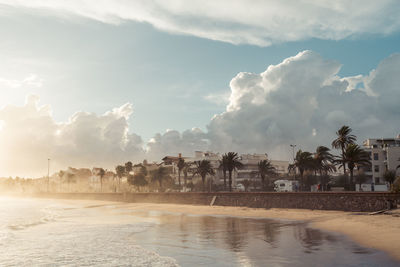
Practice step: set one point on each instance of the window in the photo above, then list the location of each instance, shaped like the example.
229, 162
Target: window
376, 156
376, 168
377, 180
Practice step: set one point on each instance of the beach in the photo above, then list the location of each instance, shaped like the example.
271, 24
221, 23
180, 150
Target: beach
381, 232
64, 232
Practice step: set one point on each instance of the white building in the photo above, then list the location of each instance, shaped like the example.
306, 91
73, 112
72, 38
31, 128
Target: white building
250, 167
385, 155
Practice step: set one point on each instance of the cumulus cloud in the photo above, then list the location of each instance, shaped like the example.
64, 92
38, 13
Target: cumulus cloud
252, 22
32, 81
301, 101
172, 142
30, 135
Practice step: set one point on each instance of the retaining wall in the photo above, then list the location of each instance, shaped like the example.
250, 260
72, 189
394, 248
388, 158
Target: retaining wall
344, 201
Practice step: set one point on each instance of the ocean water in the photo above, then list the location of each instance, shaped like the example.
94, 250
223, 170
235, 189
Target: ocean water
39, 232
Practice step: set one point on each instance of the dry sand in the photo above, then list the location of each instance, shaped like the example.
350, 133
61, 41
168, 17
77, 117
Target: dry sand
380, 232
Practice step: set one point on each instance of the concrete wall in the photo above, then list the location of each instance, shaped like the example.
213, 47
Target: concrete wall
345, 201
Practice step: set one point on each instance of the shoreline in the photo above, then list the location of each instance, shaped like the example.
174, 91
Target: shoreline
381, 232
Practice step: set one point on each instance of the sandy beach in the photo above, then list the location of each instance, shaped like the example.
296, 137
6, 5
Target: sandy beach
380, 232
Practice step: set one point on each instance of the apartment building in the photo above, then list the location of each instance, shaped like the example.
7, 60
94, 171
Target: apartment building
385, 155
250, 166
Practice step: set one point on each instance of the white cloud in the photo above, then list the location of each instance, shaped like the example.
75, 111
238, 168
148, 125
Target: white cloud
172, 142
31, 81
220, 99
253, 22
302, 100
30, 136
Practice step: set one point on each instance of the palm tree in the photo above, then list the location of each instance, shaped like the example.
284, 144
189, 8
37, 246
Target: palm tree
159, 175
101, 173
344, 138
61, 174
390, 176
70, 178
265, 168
323, 161
303, 161
180, 165
120, 171
232, 163
143, 169
138, 180
354, 156
202, 168
185, 172
323, 156
223, 165
128, 167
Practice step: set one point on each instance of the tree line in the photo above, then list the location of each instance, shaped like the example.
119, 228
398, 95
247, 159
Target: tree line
318, 165
352, 157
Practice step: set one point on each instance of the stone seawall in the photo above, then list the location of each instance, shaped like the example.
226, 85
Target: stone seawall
344, 201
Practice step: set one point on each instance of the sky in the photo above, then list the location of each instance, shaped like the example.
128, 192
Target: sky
97, 83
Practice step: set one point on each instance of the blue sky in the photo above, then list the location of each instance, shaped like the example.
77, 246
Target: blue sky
93, 66
174, 77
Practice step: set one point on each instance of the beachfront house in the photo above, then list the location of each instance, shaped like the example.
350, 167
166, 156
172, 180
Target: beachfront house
385, 155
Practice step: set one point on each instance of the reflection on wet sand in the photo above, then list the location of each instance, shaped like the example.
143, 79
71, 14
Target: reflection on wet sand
227, 241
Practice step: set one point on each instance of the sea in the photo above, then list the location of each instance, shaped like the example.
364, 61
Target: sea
43, 232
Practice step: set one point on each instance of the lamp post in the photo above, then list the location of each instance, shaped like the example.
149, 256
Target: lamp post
293, 146
48, 174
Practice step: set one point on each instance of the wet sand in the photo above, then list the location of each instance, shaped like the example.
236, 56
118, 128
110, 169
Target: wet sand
380, 232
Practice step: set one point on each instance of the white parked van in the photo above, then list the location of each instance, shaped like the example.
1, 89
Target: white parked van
286, 186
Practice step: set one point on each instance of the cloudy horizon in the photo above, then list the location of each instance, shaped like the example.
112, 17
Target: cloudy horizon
115, 81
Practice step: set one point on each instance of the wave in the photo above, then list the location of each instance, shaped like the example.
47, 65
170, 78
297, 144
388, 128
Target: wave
48, 214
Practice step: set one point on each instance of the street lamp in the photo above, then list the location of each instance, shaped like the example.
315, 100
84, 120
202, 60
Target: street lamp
48, 174
293, 146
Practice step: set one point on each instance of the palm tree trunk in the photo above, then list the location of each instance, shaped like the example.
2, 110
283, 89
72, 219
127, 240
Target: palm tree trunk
230, 181
351, 178
343, 163
101, 185
179, 179
263, 182
203, 178
322, 182
224, 180
301, 180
